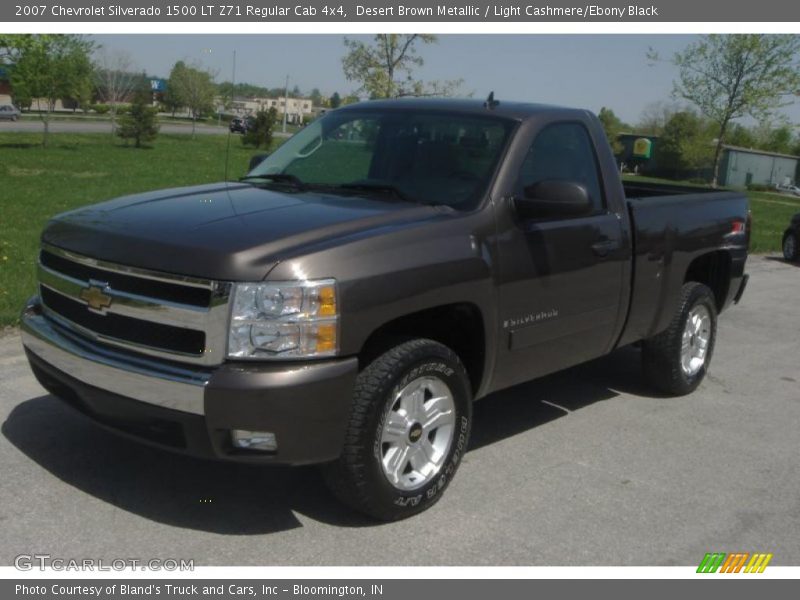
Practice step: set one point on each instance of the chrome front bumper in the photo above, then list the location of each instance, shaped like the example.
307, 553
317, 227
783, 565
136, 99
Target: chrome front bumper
165, 385
190, 409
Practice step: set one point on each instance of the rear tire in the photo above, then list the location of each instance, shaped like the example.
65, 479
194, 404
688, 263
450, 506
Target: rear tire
676, 360
408, 430
791, 247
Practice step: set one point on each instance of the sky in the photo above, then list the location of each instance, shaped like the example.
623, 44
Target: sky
585, 71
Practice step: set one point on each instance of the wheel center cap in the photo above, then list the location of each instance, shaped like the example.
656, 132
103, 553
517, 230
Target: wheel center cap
415, 433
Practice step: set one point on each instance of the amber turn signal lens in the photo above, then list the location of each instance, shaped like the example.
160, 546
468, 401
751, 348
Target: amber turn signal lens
327, 301
326, 337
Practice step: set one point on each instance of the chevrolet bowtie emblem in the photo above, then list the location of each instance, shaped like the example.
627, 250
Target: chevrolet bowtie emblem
95, 298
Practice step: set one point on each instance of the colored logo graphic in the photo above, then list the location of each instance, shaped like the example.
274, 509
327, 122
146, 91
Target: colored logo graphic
737, 562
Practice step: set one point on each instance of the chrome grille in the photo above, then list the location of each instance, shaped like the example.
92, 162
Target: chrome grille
158, 314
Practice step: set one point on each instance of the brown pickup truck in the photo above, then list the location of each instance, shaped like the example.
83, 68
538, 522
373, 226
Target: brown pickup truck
347, 301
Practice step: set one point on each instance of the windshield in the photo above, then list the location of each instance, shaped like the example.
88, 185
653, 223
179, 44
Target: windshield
427, 157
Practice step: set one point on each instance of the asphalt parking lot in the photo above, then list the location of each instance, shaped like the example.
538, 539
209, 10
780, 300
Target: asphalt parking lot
586, 467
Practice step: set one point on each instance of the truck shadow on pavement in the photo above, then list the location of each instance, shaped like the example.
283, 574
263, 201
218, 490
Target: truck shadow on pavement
528, 405
237, 499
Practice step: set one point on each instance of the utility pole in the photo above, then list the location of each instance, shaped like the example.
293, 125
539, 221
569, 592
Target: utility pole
285, 102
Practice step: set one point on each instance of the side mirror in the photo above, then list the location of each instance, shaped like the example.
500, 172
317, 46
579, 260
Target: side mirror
257, 160
554, 198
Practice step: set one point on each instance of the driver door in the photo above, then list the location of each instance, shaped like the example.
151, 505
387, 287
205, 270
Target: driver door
562, 274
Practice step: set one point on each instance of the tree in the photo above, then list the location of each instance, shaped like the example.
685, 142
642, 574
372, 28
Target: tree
685, 144
247, 90
260, 133
47, 68
140, 122
731, 76
384, 68
316, 97
81, 96
613, 127
741, 136
115, 80
796, 152
172, 99
655, 116
335, 100
21, 99
12, 46
194, 88
777, 139
767, 136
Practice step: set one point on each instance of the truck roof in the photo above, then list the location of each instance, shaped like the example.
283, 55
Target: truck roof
511, 110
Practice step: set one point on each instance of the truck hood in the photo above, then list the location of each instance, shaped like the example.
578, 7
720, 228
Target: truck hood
223, 231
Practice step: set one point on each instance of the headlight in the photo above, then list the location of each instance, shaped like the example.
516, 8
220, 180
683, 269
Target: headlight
284, 320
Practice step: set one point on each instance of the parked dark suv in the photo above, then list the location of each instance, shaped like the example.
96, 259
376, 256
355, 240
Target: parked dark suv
791, 240
241, 124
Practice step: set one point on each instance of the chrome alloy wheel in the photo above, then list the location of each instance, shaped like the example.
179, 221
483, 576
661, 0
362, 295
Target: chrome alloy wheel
417, 433
696, 338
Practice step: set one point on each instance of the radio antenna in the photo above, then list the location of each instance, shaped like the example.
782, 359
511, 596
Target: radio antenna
233, 95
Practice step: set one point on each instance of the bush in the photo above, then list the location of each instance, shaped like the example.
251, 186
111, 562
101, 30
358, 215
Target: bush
760, 187
100, 109
138, 122
259, 132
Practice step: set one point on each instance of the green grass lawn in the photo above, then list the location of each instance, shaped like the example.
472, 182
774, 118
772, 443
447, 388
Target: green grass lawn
79, 169
771, 216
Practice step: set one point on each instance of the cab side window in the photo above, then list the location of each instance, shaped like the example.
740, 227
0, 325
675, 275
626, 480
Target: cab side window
563, 151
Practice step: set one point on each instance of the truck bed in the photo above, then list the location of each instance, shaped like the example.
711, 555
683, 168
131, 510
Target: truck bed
637, 190
672, 227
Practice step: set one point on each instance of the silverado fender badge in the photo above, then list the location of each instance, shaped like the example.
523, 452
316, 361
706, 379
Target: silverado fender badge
530, 319
94, 296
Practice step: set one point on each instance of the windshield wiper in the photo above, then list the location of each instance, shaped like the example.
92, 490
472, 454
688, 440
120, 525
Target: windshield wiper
386, 188
278, 178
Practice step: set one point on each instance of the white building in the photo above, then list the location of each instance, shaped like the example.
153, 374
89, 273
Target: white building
297, 107
741, 167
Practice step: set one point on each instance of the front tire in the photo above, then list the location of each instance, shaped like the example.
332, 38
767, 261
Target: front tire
408, 430
791, 247
676, 360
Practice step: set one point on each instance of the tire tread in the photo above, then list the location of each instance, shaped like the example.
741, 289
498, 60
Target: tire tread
661, 353
346, 477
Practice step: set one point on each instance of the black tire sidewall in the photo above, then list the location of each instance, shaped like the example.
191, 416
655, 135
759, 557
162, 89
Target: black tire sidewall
435, 361
699, 295
793, 257
661, 354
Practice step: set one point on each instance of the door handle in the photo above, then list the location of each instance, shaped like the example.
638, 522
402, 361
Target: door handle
603, 247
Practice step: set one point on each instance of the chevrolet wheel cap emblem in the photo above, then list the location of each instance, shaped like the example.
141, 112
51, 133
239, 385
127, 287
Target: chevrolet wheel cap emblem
94, 296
